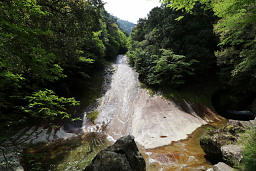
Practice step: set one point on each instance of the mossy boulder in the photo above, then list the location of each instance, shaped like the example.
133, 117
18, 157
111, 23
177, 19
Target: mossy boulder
222, 144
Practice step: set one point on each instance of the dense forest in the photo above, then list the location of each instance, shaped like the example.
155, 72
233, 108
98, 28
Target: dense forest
44, 46
53, 54
202, 51
197, 42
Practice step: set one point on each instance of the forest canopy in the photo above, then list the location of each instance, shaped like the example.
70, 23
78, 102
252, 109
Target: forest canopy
185, 44
168, 52
236, 29
43, 43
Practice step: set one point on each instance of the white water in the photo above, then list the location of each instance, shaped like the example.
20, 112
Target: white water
129, 109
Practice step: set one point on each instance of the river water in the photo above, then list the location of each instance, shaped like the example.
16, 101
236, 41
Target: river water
167, 136
156, 123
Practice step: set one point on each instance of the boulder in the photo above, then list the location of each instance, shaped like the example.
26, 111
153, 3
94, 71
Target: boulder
232, 154
221, 144
222, 167
122, 156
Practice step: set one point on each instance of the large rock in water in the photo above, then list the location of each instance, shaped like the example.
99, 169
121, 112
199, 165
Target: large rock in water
222, 144
122, 156
222, 167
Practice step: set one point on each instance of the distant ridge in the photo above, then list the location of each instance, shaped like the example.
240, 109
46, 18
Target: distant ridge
125, 26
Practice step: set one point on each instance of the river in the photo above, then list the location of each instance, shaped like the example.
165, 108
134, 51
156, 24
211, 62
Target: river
167, 136
153, 121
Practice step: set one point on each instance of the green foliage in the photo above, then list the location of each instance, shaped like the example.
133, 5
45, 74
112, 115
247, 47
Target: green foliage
115, 40
167, 51
44, 43
236, 28
125, 26
92, 115
46, 105
171, 67
237, 32
249, 150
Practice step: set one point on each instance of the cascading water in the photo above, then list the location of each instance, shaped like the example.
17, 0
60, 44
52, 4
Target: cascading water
157, 124
129, 109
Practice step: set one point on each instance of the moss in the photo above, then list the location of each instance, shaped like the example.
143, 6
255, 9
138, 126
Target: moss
210, 130
93, 115
71, 154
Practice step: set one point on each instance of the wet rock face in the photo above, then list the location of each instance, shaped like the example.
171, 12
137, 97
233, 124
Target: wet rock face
222, 167
122, 156
221, 144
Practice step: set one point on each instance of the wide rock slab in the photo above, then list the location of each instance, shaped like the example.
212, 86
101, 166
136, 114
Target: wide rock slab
122, 156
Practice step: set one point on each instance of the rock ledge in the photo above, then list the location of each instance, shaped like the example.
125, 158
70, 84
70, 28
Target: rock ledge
122, 156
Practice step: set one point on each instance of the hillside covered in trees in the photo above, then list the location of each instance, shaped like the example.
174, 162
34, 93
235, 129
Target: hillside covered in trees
126, 26
52, 59
44, 46
180, 46
202, 51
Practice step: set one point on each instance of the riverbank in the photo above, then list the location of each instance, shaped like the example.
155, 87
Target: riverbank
156, 122
227, 144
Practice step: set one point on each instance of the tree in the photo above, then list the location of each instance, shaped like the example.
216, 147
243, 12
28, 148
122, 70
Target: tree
43, 44
236, 28
167, 52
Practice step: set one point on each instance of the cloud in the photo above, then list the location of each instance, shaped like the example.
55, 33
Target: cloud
130, 10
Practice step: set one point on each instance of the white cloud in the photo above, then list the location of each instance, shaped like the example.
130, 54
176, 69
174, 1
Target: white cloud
130, 10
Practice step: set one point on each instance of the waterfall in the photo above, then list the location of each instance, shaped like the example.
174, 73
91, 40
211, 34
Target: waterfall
129, 109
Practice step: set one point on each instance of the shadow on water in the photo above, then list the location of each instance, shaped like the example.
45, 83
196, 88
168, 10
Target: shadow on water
234, 104
76, 153
68, 155
88, 93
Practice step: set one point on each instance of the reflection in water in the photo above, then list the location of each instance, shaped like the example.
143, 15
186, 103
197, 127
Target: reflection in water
69, 155
182, 155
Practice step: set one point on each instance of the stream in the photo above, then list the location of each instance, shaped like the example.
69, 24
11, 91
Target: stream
167, 136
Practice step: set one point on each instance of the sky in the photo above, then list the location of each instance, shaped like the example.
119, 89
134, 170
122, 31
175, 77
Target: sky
130, 10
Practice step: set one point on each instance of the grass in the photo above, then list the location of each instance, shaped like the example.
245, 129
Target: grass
248, 141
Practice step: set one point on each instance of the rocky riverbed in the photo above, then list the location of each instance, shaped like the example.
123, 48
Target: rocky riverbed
223, 144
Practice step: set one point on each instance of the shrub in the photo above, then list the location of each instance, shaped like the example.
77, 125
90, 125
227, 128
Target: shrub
92, 115
46, 105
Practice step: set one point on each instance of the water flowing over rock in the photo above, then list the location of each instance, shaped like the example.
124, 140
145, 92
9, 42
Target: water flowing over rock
13, 147
122, 156
130, 109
